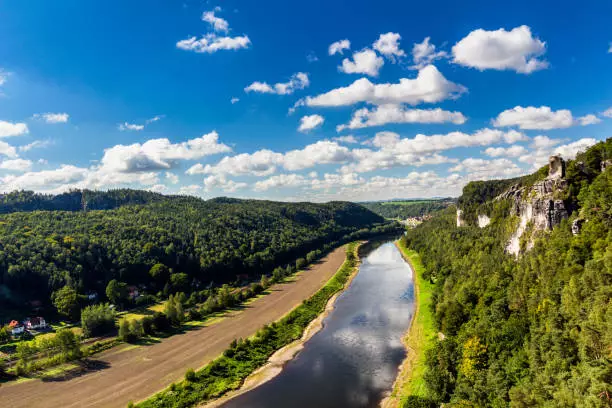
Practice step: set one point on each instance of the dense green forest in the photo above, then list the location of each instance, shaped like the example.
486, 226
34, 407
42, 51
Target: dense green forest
167, 245
529, 332
403, 209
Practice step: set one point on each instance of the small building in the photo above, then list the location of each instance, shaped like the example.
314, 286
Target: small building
133, 292
92, 296
17, 330
35, 323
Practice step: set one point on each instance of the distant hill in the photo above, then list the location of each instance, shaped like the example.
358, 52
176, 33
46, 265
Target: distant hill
402, 209
523, 289
75, 200
125, 232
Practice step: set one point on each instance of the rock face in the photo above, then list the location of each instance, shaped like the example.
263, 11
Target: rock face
538, 205
483, 221
460, 221
577, 226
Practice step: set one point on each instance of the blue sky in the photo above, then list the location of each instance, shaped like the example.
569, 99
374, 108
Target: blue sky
245, 99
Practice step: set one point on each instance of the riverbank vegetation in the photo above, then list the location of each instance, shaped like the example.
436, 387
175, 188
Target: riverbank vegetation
244, 356
528, 331
421, 337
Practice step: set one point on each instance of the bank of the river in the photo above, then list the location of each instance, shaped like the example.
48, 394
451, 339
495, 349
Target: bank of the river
277, 361
420, 336
229, 371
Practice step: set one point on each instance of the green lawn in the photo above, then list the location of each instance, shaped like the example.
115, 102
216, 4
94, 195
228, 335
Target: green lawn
422, 334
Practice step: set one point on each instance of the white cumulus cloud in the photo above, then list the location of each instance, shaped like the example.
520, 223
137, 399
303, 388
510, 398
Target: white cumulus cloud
364, 62
297, 81
217, 23
338, 47
512, 151
8, 129
130, 126
52, 117
310, 122
396, 113
16, 165
388, 45
543, 118
425, 53
516, 50
588, 120
430, 86
211, 43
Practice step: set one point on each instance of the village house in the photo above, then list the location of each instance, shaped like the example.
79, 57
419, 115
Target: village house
35, 323
16, 327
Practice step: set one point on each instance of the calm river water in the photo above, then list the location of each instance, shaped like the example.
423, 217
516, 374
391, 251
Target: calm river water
353, 360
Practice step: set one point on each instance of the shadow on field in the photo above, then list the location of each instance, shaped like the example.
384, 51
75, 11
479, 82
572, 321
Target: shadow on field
85, 366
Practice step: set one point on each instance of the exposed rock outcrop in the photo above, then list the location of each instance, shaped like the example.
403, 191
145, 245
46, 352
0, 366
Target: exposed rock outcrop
460, 221
483, 221
538, 205
577, 225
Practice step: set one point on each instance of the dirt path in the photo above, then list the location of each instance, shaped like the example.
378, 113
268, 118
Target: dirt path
130, 374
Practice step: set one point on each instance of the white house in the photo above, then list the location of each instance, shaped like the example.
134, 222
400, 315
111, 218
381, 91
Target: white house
35, 323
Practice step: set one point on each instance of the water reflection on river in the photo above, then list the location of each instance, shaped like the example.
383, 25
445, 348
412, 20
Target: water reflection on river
353, 360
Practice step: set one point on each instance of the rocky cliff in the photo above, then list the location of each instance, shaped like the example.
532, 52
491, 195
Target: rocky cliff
538, 207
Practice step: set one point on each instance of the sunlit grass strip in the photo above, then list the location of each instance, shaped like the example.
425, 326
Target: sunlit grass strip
229, 371
422, 333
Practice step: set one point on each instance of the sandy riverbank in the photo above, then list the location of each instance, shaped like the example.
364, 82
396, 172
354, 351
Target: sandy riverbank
277, 361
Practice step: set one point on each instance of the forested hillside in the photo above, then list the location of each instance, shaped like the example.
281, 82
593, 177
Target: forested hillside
532, 331
402, 209
170, 244
75, 200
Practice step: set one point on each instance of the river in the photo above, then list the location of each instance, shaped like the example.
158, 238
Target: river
353, 360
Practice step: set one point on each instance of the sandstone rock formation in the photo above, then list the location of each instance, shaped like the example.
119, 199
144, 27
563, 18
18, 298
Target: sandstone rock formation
538, 206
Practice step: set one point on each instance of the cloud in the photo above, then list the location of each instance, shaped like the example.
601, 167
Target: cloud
52, 117
569, 151
424, 54
234, 100
346, 139
609, 51
364, 62
159, 154
607, 113
515, 50
535, 118
211, 43
339, 46
297, 81
7, 150
172, 178
545, 147
388, 45
588, 120
512, 151
47, 179
8, 129
217, 23
394, 151
396, 113
154, 119
310, 122
221, 182
16, 165
130, 126
191, 189
311, 57
281, 181
430, 86
3, 76
265, 162
259, 163
481, 169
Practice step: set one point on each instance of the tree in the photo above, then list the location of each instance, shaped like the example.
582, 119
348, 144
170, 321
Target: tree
97, 319
68, 344
124, 330
159, 272
300, 263
180, 282
5, 334
117, 292
66, 302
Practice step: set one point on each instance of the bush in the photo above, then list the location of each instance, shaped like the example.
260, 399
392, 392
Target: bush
97, 320
160, 322
190, 375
